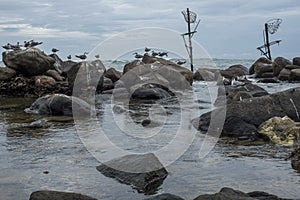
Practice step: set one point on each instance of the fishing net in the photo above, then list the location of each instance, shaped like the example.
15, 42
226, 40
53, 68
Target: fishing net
193, 16
273, 25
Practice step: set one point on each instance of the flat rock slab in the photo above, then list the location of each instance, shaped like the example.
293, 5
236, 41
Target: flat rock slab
143, 172
56, 195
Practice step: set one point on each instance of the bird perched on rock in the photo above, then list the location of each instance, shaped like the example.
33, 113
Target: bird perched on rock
97, 56
181, 62
31, 43
138, 56
54, 50
154, 54
147, 49
7, 46
69, 57
161, 54
82, 57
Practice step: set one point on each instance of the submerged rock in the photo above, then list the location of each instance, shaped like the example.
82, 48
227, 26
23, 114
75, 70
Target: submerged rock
165, 196
29, 62
57, 195
282, 131
144, 172
59, 104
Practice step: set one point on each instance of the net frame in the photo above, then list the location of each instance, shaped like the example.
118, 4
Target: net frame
273, 25
193, 16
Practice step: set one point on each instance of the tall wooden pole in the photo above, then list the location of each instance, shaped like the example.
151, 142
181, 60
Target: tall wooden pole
268, 42
190, 39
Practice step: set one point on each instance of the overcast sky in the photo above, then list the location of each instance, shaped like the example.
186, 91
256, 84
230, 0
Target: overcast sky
228, 28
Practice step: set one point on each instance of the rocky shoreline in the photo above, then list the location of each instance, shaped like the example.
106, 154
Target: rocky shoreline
252, 114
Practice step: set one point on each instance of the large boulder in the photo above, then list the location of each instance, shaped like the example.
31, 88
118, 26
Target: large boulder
151, 92
250, 113
54, 74
205, 74
153, 61
59, 105
283, 131
294, 75
58, 65
296, 61
113, 74
143, 172
280, 63
6, 73
107, 84
44, 82
29, 62
57, 195
259, 61
87, 74
234, 71
284, 74
263, 70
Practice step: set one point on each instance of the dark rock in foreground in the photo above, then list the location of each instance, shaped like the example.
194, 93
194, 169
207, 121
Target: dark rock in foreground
144, 172
60, 105
295, 157
56, 195
29, 62
231, 194
243, 117
234, 71
6, 73
165, 196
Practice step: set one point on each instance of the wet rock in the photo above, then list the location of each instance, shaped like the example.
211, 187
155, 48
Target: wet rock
151, 92
295, 75
57, 195
86, 74
205, 74
283, 131
259, 61
107, 84
144, 172
239, 92
6, 73
44, 82
254, 111
29, 62
229, 193
284, 74
59, 104
268, 80
225, 194
290, 67
54, 74
131, 65
234, 71
156, 63
263, 70
165, 196
66, 66
280, 63
296, 61
295, 159
113, 74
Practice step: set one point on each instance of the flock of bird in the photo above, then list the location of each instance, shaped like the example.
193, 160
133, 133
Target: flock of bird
32, 43
153, 53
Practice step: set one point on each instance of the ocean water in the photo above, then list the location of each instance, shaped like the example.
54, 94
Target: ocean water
38, 152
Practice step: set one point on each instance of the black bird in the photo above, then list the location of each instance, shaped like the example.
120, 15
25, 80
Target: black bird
161, 54
97, 56
138, 55
181, 62
154, 53
82, 57
54, 50
33, 43
147, 49
7, 47
69, 57
16, 47
27, 43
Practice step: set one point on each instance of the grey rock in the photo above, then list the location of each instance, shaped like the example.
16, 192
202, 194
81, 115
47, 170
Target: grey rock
54, 74
280, 63
284, 74
113, 74
259, 61
295, 75
143, 172
57, 195
165, 196
6, 73
29, 62
296, 61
